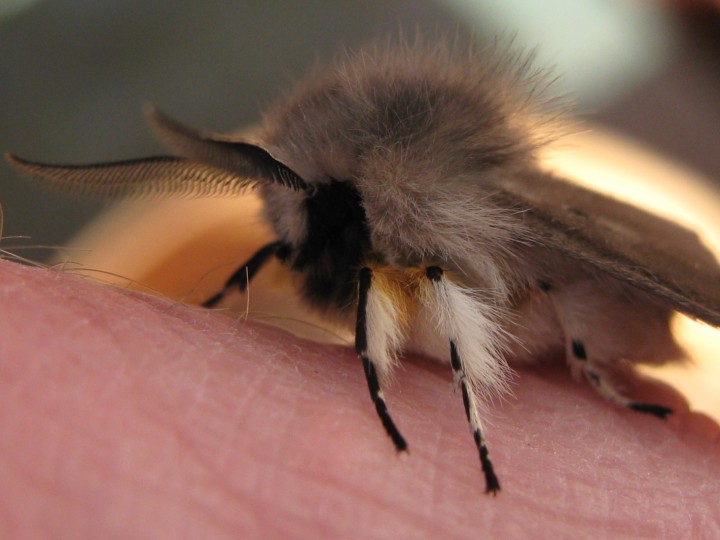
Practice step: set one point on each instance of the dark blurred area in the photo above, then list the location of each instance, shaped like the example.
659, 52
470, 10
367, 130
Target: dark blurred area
678, 110
75, 74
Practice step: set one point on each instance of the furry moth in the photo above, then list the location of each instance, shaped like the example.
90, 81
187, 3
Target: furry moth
404, 193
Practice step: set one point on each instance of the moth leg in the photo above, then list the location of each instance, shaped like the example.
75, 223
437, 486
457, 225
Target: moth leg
492, 484
246, 272
604, 386
365, 279
604, 328
470, 400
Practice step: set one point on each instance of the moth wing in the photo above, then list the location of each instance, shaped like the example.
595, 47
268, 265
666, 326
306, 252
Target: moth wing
633, 245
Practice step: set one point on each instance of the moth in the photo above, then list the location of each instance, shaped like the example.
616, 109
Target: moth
404, 191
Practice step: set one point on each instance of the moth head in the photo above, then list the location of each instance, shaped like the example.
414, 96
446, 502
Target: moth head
320, 222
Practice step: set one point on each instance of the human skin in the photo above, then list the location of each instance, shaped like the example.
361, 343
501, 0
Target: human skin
129, 416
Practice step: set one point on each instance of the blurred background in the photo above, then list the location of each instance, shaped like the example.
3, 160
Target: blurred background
74, 74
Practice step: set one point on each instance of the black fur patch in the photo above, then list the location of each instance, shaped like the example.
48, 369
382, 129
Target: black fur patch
337, 244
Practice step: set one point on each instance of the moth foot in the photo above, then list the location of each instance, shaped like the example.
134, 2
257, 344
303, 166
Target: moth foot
606, 389
661, 411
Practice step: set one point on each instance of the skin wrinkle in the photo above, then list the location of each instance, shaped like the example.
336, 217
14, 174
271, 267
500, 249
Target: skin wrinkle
221, 488
213, 475
342, 492
203, 507
179, 498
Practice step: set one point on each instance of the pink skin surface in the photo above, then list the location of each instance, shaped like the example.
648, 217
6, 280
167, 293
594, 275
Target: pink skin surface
127, 416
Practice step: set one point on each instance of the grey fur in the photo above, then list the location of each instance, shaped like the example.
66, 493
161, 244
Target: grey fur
440, 142
423, 132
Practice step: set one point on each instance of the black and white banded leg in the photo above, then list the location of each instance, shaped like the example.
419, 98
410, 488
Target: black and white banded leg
492, 484
453, 303
603, 385
240, 279
583, 361
363, 332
